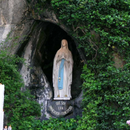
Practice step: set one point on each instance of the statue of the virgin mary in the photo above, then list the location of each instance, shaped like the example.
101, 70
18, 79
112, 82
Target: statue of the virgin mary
62, 72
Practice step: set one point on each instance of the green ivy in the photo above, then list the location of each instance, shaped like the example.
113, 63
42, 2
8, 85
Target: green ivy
54, 124
20, 108
38, 6
102, 29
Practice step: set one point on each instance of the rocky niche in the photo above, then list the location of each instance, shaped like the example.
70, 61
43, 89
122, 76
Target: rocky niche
39, 50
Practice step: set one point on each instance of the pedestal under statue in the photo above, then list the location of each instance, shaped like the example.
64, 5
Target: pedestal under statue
62, 72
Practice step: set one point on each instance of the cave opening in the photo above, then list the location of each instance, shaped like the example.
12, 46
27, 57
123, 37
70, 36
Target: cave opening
52, 43
48, 37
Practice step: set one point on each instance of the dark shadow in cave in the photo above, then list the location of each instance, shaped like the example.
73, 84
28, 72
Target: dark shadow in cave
49, 42
52, 43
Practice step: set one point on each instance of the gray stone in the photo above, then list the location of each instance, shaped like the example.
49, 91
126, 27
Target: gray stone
60, 108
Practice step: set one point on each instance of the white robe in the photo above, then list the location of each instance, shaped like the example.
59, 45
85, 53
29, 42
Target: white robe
65, 93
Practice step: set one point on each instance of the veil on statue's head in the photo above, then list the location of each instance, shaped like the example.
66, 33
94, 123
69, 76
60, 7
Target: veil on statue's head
65, 50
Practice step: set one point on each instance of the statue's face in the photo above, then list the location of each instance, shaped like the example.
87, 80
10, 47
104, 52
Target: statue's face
64, 43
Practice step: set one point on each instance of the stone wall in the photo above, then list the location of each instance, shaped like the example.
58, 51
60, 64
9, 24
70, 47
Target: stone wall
13, 21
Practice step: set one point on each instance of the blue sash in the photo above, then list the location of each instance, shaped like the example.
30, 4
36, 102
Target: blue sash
61, 75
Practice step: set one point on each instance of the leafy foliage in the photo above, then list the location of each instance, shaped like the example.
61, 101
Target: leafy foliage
54, 124
19, 107
107, 98
38, 6
102, 29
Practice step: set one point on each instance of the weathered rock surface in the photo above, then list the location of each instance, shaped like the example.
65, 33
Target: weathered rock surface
11, 13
